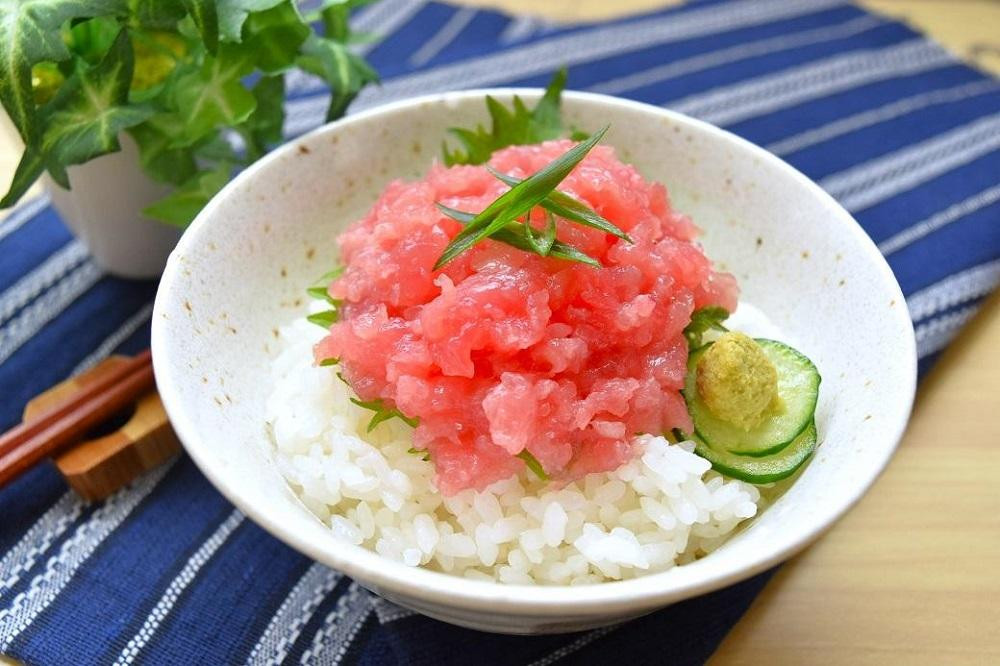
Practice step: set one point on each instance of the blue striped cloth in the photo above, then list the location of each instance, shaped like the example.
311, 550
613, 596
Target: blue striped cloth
906, 137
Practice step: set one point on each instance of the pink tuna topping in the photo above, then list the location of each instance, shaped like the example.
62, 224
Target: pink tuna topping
503, 351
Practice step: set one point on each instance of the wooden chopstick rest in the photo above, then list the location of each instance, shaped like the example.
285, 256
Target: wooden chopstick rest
98, 466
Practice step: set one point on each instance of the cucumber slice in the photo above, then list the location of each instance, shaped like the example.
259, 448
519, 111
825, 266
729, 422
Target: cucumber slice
763, 469
798, 388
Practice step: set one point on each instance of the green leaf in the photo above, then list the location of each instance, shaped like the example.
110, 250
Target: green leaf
213, 96
568, 208
512, 235
320, 288
383, 413
703, 319
159, 159
233, 13
324, 319
85, 117
533, 464
455, 214
329, 361
424, 455
28, 170
541, 244
91, 39
345, 72
182, 205
29, 34
274, 36
263, 127
516, 126
204, 15
518, 200
163, 14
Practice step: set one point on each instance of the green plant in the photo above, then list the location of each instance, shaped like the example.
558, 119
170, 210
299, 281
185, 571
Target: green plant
180, 76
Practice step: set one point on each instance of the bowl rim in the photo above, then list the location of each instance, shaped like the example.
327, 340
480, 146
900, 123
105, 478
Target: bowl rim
645, 592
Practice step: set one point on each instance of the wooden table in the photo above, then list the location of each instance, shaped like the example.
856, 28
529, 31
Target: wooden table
911, 574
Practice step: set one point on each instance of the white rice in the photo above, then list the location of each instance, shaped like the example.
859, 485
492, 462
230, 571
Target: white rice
663, 508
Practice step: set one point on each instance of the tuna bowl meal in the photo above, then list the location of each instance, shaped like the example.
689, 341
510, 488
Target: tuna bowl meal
533, 361
519, 371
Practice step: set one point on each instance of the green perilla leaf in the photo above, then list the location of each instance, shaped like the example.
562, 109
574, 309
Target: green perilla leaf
516, 126
702, 320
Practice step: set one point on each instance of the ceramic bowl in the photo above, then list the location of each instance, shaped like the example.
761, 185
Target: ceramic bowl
240, 269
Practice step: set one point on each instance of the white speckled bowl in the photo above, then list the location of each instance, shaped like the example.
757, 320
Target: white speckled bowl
240, 270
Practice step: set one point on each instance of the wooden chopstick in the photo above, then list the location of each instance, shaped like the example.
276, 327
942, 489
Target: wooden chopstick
17, 435
23, 447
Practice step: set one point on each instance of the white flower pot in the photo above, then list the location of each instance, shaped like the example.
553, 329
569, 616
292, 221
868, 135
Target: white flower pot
104, 210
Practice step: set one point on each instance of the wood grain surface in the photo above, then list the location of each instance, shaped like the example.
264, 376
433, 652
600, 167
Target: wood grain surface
911, 574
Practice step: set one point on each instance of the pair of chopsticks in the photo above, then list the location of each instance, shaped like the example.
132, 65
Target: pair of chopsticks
67, 422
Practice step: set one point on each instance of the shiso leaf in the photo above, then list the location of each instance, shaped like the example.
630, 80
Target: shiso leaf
383, 413
702, 320
533, 464
518, 200
419, 452
320, 288
324, 319
516, 126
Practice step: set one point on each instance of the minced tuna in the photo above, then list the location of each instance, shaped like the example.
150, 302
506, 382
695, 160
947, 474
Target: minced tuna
504, 351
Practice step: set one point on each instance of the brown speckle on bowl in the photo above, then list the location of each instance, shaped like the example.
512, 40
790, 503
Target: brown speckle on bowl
310, 253
416, 148
760, 241
228, 399
303, 150
217, 401
275, 333
838, 257
842, 282
187, 305
212, 246
868, 417
267, 228
204, 379
231, 330
297, 302
335, 139
805, 254
284, 272
892, 303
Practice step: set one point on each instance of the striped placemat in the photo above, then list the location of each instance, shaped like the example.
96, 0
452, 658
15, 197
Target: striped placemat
905, 136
